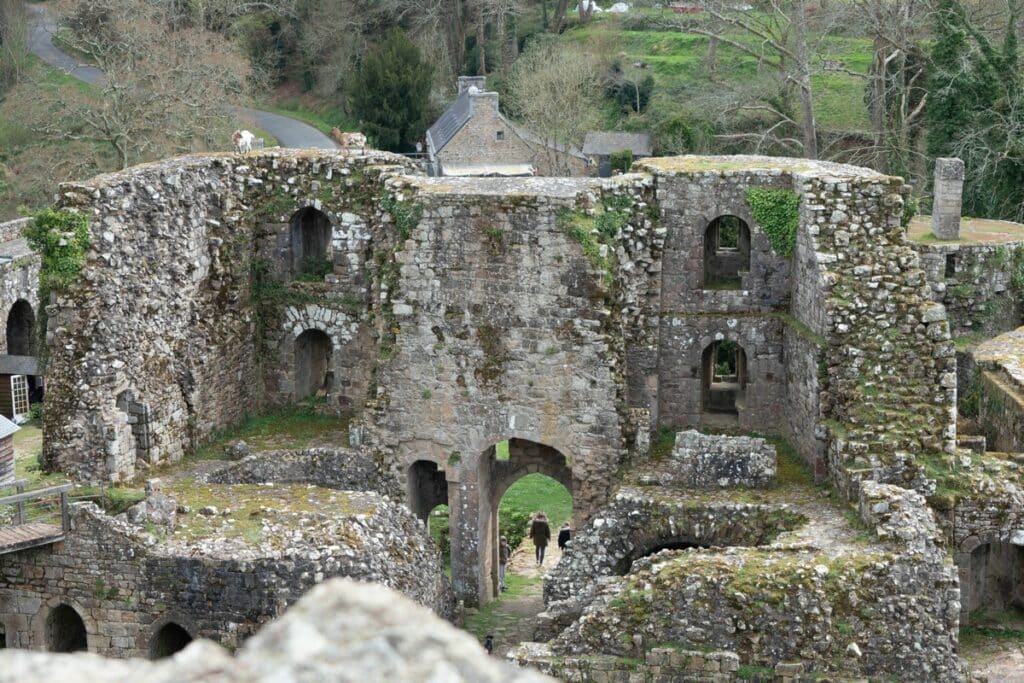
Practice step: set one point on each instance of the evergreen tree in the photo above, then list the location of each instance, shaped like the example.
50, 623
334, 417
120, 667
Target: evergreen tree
949, 81
390, 91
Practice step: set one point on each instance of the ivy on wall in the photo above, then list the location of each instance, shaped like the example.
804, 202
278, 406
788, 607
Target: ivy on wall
778, 214
61, 238
406, 215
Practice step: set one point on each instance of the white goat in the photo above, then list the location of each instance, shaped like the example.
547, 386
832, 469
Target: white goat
243, 140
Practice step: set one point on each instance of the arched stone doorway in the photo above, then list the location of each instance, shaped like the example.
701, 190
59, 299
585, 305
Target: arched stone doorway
496, 477
21, 320
65, 630
169, 639
427, 487
723, 378
726, 253
310, 241
992, 580
312, 364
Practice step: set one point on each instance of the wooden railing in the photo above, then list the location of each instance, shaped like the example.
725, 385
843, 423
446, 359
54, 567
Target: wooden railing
23, 498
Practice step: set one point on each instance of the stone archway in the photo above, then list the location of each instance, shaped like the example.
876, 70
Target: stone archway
496, 476
991, 577
65, 630
312, 364
168, 639
21, 320
726, 253
427, 487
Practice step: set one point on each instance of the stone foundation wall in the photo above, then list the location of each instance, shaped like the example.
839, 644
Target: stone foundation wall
19, 277
125, 584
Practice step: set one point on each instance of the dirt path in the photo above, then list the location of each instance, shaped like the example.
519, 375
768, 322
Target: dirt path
511, 617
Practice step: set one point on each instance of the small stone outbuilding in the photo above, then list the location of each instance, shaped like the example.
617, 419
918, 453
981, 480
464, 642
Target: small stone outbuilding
473, 138
599, 146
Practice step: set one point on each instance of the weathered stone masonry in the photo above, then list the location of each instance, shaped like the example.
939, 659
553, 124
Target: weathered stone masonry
458, 313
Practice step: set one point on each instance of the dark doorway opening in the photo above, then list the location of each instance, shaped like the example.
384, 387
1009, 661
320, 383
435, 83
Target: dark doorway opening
65, 630
726, 253
993, 586
310, 244
20, 322
169, 639
312, 364
724, 377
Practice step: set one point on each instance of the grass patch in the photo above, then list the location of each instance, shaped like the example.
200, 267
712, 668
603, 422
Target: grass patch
292, 427
533, 493
662, 443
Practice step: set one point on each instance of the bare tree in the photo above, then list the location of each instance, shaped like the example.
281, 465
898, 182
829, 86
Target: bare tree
14, 56
784, 37
554, 90
165, 88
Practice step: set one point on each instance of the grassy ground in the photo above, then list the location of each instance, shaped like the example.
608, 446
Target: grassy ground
294, 427
538, 492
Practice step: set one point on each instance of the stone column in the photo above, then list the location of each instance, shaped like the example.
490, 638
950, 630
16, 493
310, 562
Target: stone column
946, 205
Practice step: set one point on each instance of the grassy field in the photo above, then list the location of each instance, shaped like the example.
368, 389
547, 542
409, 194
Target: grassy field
677, 62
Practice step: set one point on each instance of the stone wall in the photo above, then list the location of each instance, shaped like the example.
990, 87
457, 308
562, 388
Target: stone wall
996, 392
977, 285
180, 304
125, 582
342, 631
19, 281
705, 461
657, 664
346, 469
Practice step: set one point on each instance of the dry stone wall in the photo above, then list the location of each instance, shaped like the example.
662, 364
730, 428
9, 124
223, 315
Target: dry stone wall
19, 280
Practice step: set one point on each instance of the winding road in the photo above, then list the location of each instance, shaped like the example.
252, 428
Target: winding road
288, 131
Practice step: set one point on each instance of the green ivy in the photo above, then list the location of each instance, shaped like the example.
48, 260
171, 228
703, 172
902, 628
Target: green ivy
910, 207
406, 215
778, 214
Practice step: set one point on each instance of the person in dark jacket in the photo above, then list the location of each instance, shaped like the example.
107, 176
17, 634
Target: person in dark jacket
564, 534
540, 532
504, 553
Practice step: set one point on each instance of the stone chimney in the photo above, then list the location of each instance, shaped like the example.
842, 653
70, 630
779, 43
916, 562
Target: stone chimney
948, 198
484, 101
467, 82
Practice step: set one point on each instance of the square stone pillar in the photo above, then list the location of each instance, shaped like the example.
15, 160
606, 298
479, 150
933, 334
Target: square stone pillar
948, 198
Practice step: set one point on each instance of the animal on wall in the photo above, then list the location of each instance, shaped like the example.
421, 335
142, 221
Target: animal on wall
348, 139
243, 140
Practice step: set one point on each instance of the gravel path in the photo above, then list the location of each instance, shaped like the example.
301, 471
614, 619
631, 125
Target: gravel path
288, 131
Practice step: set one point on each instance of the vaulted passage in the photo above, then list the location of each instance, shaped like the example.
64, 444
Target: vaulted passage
312, 363
724, 377
310, 241
65, 630
169, 639
20, 322
726, 253
622, 567
993, 582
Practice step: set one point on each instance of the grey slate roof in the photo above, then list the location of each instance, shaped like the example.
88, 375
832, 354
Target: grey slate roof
451, 121
18, 365
7, 427
607, 142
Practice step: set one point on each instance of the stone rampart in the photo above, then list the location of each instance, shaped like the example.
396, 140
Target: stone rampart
709, 461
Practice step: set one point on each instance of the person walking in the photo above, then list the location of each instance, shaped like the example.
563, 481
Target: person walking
564, 535
504, 553
540, 532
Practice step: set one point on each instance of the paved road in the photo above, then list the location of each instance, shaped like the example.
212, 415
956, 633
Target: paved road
288, 131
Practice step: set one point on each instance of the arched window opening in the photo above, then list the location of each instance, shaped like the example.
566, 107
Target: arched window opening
726, 253
171, 638
725, 377
310, 244
993, 584
312, 364
20, 322
65, 630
